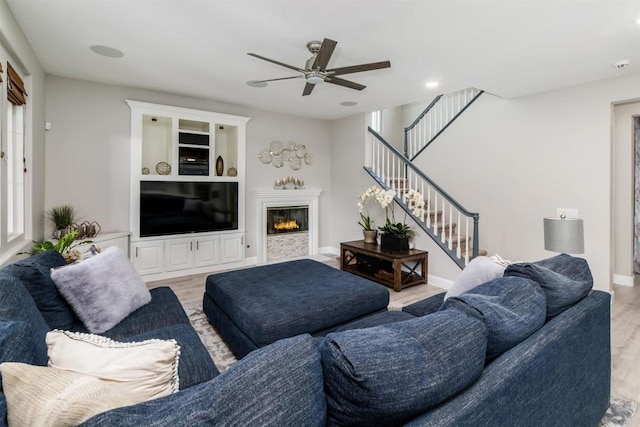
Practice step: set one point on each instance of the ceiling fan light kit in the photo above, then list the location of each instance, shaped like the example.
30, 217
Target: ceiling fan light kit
316, 71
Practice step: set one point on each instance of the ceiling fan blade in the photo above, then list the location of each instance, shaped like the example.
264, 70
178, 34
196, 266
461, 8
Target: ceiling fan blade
346, 83
359, 68
324, 54
307, 89
282, 64
275, 80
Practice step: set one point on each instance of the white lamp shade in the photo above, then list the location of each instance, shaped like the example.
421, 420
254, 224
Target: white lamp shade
564, 235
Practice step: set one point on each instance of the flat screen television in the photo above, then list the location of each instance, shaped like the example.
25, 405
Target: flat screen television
179, 207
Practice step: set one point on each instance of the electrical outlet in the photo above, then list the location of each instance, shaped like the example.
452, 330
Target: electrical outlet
568, 213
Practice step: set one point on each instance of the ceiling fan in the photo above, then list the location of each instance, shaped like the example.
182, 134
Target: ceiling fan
315, 70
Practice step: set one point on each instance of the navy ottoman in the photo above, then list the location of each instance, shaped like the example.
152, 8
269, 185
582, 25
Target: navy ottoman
253, 307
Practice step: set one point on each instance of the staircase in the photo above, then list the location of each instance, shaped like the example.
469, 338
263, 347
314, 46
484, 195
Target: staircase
447, 222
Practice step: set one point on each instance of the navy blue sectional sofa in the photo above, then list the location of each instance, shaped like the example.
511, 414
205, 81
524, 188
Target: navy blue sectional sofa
511, 352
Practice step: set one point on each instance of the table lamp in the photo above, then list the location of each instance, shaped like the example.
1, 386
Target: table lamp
564, 235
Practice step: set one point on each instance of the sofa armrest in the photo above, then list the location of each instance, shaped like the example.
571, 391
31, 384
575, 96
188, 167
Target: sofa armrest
425, 306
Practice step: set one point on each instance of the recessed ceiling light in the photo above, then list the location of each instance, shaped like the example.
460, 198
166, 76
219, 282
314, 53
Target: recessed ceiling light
255, 83
348, 103
638, 21
106, 51
431, 85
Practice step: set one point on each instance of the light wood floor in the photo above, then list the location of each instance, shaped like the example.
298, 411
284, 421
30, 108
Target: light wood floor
625, 326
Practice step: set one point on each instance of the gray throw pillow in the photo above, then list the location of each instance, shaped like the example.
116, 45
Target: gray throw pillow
564, 279
103, 289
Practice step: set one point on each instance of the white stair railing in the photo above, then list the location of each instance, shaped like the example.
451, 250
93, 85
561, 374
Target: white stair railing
452, 226
435, 118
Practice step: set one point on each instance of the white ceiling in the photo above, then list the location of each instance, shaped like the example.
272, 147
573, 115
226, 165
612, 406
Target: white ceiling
199, 47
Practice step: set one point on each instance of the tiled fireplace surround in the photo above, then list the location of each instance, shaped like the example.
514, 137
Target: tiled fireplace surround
279, 247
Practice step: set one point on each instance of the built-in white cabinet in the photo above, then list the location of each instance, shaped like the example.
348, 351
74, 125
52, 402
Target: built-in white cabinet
187, 190
232, 247
148, 257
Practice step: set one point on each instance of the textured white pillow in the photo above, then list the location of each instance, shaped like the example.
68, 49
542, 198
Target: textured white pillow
479, 270
41, 396
103, 289
140, 370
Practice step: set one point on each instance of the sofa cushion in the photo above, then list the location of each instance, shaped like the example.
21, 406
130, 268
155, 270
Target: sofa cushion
42, 396
163, 310
390, 373
195, 365
103, 289
426, 306
278, 385
141, 370
376, 319
34, 273
564, 279
479, 270
512, 307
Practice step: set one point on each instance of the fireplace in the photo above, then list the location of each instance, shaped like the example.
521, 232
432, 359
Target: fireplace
287, 219
287, 224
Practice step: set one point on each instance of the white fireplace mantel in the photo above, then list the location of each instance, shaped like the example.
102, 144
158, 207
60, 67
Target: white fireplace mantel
269, 198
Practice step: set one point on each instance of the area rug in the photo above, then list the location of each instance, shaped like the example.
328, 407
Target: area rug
619, 413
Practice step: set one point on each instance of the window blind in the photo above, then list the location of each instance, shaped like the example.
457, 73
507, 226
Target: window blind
15, 89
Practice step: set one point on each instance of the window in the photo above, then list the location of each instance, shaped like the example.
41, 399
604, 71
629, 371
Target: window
376, 121
14, 161
12, 155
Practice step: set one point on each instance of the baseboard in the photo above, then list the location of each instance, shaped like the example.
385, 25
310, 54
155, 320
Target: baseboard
251, 261
619, 279
329, 250
440, 282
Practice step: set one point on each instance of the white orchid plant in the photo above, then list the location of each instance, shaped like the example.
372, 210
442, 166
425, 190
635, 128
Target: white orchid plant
385, 199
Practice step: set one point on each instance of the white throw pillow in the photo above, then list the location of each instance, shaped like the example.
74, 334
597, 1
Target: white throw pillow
103, 289
41, 396
479, 270
140, 370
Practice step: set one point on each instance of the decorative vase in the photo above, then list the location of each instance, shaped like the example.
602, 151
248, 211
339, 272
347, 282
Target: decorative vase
394, 243
219, 166
370, 236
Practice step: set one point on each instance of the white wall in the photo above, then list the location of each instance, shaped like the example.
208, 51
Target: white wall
88, 150
13, 46
623, 191
516, 160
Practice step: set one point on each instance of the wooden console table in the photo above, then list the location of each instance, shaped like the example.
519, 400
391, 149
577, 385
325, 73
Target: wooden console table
385, 267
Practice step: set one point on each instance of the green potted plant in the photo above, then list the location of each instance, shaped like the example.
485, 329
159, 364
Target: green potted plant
62, 218
370, 234
65, 245
395, 235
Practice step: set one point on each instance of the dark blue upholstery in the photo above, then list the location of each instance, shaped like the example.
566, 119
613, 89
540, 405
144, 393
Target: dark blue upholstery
376, 319
239, 343
559, 376
565, 280
391, 373
195, 365
163, 310
425, 306
275, 301
34, 274
512, 307
16, 304
279, 385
